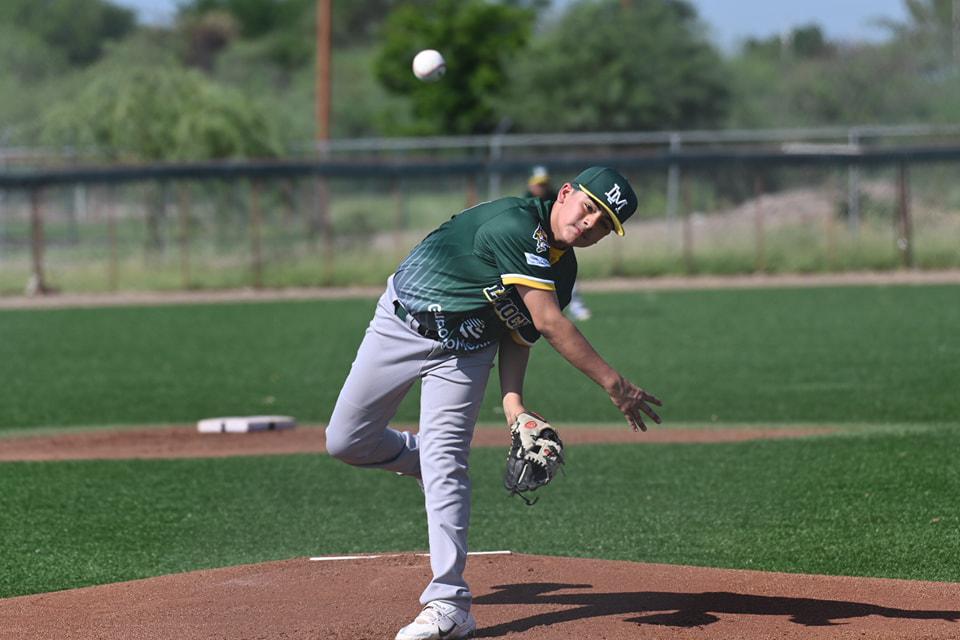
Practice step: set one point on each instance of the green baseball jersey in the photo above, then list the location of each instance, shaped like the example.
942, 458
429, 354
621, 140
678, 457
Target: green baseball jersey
460, 281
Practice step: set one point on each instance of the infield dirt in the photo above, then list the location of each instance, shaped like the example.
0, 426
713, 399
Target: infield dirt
186, 442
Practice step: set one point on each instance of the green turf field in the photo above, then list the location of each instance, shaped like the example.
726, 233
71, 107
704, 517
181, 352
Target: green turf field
876, 498
871, 354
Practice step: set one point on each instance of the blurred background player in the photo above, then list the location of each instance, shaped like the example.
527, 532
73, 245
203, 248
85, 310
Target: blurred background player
540, 186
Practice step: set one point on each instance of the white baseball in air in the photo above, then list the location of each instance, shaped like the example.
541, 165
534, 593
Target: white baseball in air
429, 65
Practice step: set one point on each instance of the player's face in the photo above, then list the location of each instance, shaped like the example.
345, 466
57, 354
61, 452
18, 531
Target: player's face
578, 221
538, 190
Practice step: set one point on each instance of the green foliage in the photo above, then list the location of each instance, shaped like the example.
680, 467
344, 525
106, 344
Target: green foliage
848, 93
838, 87
205, 36
26, 56
285, 26
256, 17
29, 73
805, 80
76, 28
359, 21
160, 114
638, 67
606, 67
477, 39
806, 41
930, 31
360, 105
286, 29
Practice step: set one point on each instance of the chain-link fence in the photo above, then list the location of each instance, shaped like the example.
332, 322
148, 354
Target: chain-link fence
349, 218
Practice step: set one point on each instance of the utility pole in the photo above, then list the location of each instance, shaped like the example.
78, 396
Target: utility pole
956, 31
321, 222
324, 15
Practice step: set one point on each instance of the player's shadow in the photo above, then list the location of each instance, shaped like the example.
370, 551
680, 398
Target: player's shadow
679, 609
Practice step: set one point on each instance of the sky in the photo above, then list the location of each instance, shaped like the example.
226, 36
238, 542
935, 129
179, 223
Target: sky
730, 21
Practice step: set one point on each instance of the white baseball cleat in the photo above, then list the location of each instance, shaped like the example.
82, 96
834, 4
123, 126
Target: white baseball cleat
439, 621
579, 311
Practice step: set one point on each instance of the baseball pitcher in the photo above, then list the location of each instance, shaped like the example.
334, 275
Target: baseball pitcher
491, 280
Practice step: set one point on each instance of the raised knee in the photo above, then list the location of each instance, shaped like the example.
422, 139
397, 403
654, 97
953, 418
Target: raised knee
340, 446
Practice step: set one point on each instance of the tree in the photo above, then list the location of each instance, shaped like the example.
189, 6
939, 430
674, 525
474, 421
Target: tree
477, 38
844, 90
930, 32
160, 114
608, 67
288, 27
78, 28
206, 36
256, 17
807, 41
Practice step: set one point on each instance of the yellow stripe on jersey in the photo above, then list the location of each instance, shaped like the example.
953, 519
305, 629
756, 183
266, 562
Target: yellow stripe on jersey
556, 254
528, 281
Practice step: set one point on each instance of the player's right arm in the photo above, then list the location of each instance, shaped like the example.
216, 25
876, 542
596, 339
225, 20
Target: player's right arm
513, 369
564, 336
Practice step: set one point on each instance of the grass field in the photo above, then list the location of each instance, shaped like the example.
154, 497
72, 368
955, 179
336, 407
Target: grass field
876, 498
849, 354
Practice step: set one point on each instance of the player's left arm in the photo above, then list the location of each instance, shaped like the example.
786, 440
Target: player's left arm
513, 370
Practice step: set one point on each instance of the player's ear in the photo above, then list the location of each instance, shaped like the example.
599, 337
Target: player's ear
564, 191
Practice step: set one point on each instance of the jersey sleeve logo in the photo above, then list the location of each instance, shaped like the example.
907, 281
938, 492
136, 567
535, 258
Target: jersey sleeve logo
537, 261
541, 237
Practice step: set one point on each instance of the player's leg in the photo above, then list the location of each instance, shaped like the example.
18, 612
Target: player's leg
451, 397
577, 308
388, 361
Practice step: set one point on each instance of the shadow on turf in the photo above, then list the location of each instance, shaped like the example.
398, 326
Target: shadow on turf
688, 609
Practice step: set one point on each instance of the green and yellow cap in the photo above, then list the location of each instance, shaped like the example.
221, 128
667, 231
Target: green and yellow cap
539, 175
611, 191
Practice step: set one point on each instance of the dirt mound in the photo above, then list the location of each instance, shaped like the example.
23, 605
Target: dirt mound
186, 442
531, 597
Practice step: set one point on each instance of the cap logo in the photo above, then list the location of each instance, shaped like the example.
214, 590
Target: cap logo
614, 198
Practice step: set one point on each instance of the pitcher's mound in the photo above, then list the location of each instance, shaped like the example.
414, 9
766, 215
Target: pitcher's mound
518, 596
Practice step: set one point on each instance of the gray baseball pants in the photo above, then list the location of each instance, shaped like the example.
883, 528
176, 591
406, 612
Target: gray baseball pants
390, 359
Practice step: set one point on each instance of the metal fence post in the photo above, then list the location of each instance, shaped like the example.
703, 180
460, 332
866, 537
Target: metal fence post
183, 233
37, 284
471, 190
496, 151
853, 187
256, 252
288, 195
673, 184
688, 265
400, 215
904, 226
112, 268
760, 259
325, 226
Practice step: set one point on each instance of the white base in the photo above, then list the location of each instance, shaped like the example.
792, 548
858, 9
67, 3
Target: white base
245, 424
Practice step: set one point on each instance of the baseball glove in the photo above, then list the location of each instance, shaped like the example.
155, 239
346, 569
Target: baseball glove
536, 454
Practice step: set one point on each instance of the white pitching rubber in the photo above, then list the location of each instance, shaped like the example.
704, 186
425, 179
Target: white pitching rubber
400, 555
